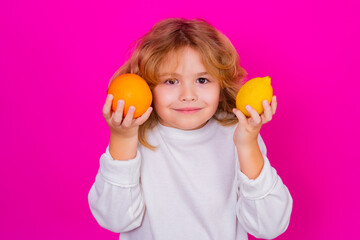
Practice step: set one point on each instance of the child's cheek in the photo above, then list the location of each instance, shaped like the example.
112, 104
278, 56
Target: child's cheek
164, 95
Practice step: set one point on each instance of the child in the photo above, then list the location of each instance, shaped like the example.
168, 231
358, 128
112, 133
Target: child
192, 166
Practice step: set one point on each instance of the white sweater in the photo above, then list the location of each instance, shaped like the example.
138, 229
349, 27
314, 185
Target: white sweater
190, 188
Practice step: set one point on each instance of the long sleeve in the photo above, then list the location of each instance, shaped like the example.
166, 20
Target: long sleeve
115, 198
264, 204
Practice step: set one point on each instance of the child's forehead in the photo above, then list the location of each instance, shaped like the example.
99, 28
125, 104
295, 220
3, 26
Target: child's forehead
169, 63
174, 58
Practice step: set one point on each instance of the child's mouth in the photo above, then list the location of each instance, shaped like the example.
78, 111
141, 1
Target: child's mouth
187, 110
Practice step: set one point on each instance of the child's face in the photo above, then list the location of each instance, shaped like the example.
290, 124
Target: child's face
190, 97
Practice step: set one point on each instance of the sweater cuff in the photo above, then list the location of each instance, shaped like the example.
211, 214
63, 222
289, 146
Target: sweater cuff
261, 186
120, 173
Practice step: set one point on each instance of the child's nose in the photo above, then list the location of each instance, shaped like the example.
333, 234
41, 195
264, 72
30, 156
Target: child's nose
188, 93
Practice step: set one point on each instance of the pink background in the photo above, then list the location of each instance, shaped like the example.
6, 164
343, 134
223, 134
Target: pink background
55, 63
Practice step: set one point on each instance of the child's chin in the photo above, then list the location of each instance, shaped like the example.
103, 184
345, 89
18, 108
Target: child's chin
187, 124
190, 126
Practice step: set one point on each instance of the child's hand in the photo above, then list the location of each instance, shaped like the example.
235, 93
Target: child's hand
248, 129
125, 126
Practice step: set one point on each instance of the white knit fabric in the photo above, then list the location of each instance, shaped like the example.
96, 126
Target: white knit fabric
191, 187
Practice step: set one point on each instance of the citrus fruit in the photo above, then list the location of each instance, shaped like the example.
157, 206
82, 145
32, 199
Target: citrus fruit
253, 93
134, 90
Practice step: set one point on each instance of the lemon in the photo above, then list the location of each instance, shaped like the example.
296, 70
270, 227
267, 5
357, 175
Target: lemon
253, 93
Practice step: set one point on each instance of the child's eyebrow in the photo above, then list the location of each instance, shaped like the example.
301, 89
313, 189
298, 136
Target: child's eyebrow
177, 74
202, 74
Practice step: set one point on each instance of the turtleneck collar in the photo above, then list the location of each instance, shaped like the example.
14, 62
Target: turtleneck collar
175, 133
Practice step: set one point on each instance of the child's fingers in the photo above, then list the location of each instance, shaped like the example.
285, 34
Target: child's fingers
118, 115
129, 117
273, 104
267, 112
140, 120
254, 115
241, 117
107, 106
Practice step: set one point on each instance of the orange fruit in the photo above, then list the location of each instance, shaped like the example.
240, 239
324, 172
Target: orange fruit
134, 90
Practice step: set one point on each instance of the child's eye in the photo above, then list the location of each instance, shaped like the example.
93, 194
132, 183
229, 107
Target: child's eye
202, 80
171, 81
